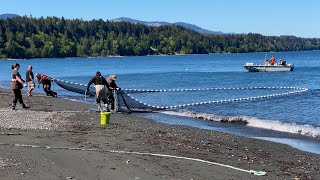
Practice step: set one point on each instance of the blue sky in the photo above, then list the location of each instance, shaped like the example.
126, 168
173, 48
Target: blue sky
267, 17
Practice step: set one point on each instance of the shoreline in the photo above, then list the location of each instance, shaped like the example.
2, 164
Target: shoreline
118, 56
57, 122
298, 141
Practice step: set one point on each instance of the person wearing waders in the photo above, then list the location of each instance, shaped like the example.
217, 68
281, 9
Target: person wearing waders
102, 90
112, 86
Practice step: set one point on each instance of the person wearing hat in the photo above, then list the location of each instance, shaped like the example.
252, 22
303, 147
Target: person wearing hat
112, 86
102, 90
46, 84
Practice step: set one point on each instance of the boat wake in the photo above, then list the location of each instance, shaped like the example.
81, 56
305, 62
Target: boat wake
302, 129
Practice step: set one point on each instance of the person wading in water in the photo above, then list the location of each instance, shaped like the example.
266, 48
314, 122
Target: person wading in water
102, 90
17, 83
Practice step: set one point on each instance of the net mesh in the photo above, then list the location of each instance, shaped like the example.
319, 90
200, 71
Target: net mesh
127, 103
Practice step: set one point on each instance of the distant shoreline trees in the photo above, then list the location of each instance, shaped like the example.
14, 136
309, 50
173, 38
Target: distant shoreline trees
52, 37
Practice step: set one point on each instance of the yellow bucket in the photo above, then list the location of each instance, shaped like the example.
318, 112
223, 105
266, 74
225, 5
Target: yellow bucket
105, 118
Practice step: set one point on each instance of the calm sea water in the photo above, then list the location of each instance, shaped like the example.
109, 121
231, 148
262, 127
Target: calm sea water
292, 119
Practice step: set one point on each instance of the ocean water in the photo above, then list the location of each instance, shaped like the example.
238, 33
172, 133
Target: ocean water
291, 119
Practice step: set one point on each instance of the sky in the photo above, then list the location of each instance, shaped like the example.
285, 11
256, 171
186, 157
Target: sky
268, 17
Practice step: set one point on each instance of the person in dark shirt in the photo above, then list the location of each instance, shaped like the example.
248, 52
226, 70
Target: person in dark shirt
113, 87
30, 80
102, 90
46, 84
17, 83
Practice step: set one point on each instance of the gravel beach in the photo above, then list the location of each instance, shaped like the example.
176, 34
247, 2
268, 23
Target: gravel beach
61, 139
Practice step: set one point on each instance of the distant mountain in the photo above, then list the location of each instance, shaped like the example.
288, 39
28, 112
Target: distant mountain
162, 23
6, 16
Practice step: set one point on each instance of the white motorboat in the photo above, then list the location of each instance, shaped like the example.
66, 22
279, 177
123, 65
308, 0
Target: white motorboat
251, 67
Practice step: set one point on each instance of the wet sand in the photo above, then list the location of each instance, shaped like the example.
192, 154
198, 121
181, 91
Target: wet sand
62, 139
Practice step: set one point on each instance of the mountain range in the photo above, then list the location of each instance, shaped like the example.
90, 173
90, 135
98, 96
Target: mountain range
5, 16
162, 23
152, 23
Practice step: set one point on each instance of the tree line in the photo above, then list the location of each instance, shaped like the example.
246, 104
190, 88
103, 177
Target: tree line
52, 37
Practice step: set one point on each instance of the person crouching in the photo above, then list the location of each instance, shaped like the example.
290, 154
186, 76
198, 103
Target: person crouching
102, 90
46, 84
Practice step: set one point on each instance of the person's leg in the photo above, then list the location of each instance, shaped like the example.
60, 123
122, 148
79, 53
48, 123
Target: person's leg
45, 89
30, 87
21, 101
105, 99
98, 96
15, 99
18, 97
106, 104
49, 89
111, 100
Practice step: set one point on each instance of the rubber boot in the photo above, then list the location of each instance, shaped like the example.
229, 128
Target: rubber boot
106, 107
112, 105
99, 107
24, 106
14, 106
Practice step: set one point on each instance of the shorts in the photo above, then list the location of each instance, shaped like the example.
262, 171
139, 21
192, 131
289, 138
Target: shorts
30, 85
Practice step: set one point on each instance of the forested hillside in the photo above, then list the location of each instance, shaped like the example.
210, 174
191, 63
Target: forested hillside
27, 37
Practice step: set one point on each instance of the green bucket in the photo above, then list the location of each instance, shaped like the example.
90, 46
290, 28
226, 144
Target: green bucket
105, 118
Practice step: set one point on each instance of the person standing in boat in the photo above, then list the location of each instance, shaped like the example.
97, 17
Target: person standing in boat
102, 90
280, 62
17, 83
272, 60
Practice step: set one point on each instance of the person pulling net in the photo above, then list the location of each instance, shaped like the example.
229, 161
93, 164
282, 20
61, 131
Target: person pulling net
102, 91
46, 84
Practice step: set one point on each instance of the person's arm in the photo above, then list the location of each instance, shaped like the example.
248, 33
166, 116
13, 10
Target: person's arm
39, 81
18, 78
90, 82
105, 82
113, 84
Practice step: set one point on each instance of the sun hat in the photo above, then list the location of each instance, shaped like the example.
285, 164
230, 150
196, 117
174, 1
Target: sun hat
113, 77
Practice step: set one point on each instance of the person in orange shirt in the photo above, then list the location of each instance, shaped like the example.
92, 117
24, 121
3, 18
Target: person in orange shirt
272, 60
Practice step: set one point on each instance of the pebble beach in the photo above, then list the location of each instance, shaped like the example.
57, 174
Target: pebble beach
61, 139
